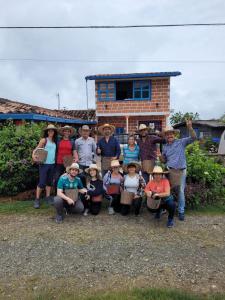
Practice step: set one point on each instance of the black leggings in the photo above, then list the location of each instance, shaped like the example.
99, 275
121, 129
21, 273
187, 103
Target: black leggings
125, 208
94, 207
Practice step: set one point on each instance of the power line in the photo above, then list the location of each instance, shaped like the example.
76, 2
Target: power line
111, 60
113, 26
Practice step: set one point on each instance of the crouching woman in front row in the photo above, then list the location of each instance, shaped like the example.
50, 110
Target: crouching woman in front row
132, 186
159, 197
95, 191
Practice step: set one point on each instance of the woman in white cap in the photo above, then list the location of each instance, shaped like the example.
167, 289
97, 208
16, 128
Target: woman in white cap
95, 191
111, 183
159, 197
68, 188
133, 185
46, 169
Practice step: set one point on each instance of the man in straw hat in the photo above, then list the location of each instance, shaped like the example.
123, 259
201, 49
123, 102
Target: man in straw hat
85, 148
159, 197
108, 147
173, 155
147, 144
65, 148
67, 193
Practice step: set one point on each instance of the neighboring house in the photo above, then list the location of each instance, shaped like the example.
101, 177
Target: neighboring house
205, 129
19, 112
127, 100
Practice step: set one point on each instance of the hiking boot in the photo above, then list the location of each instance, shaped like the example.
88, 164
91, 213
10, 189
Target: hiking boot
170, 223
111, 210
58, 219
86, 212
181, 216
37, 203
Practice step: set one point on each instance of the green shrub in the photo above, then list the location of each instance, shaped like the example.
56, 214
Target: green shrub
204, 178
17, 172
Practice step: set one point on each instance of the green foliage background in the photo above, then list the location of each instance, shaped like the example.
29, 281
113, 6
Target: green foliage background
17, 171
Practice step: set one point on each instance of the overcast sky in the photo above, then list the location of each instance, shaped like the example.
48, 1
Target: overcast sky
200, 88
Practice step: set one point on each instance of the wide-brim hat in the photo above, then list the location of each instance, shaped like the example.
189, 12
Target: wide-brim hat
115, 163
158, 170
67, 127
143, 127
73, 166
101, 128
170, 129
92, 166
50, 127
134, 163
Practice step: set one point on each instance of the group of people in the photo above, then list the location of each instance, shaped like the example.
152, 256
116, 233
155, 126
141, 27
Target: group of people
82, 184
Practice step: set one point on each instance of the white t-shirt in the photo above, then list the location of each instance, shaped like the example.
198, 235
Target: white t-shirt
131, 184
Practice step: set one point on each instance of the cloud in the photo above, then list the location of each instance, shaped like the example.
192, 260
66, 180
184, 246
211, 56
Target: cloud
200, 88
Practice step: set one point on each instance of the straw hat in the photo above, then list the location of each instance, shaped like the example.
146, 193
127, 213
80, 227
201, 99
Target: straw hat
170, 129
73, 166
50, 127
102, 127
67, 127
115, 163
134, 163
92, 166
143, 127
158, 170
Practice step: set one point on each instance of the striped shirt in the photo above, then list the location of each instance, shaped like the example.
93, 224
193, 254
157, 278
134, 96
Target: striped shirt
130, 155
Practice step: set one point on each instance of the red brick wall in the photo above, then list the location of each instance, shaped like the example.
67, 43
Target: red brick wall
159, 101
133, 121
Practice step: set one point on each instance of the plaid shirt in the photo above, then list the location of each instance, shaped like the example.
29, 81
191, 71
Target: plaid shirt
148, 147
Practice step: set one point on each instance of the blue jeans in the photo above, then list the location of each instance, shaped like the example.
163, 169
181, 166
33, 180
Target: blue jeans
181, 195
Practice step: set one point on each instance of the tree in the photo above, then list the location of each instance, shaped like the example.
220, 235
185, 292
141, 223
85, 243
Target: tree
180, 117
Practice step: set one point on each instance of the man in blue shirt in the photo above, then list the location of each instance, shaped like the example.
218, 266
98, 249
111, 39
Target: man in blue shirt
108, 147
173, 155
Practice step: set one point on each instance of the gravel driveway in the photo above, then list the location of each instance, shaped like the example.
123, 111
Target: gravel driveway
86, 254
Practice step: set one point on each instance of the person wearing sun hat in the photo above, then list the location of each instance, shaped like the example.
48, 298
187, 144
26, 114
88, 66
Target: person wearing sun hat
108, 146
159, 196
68, 187
132, 187
46, 168
111, 182
95, 191
173, 154
147, 144
65, 148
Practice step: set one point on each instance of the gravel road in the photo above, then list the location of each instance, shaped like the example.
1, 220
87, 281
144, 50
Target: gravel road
93, 253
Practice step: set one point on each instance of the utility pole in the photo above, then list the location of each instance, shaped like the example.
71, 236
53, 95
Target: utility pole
58, 97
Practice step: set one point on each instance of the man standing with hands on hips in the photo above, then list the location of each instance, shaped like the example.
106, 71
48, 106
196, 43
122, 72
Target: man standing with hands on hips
173, 155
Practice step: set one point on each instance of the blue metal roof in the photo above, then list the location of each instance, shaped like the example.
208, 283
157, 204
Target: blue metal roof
132, 75
46, 118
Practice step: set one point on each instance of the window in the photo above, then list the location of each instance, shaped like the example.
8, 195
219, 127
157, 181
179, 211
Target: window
124, 90
141, 89
106, 91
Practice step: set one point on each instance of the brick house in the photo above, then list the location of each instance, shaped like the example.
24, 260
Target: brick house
127, 100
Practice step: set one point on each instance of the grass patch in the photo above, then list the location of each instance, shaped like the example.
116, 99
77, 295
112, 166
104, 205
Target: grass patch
208, 209
23, 207
135, 294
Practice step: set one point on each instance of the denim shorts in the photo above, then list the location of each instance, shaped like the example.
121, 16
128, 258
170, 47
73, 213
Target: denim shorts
46, 172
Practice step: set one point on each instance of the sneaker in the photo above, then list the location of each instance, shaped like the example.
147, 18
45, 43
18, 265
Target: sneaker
170, 223
181, 216
59, 219
111, 210
36, 203
86, 212
164, 211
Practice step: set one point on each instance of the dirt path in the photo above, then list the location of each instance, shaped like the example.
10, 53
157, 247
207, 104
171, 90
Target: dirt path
109, 252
